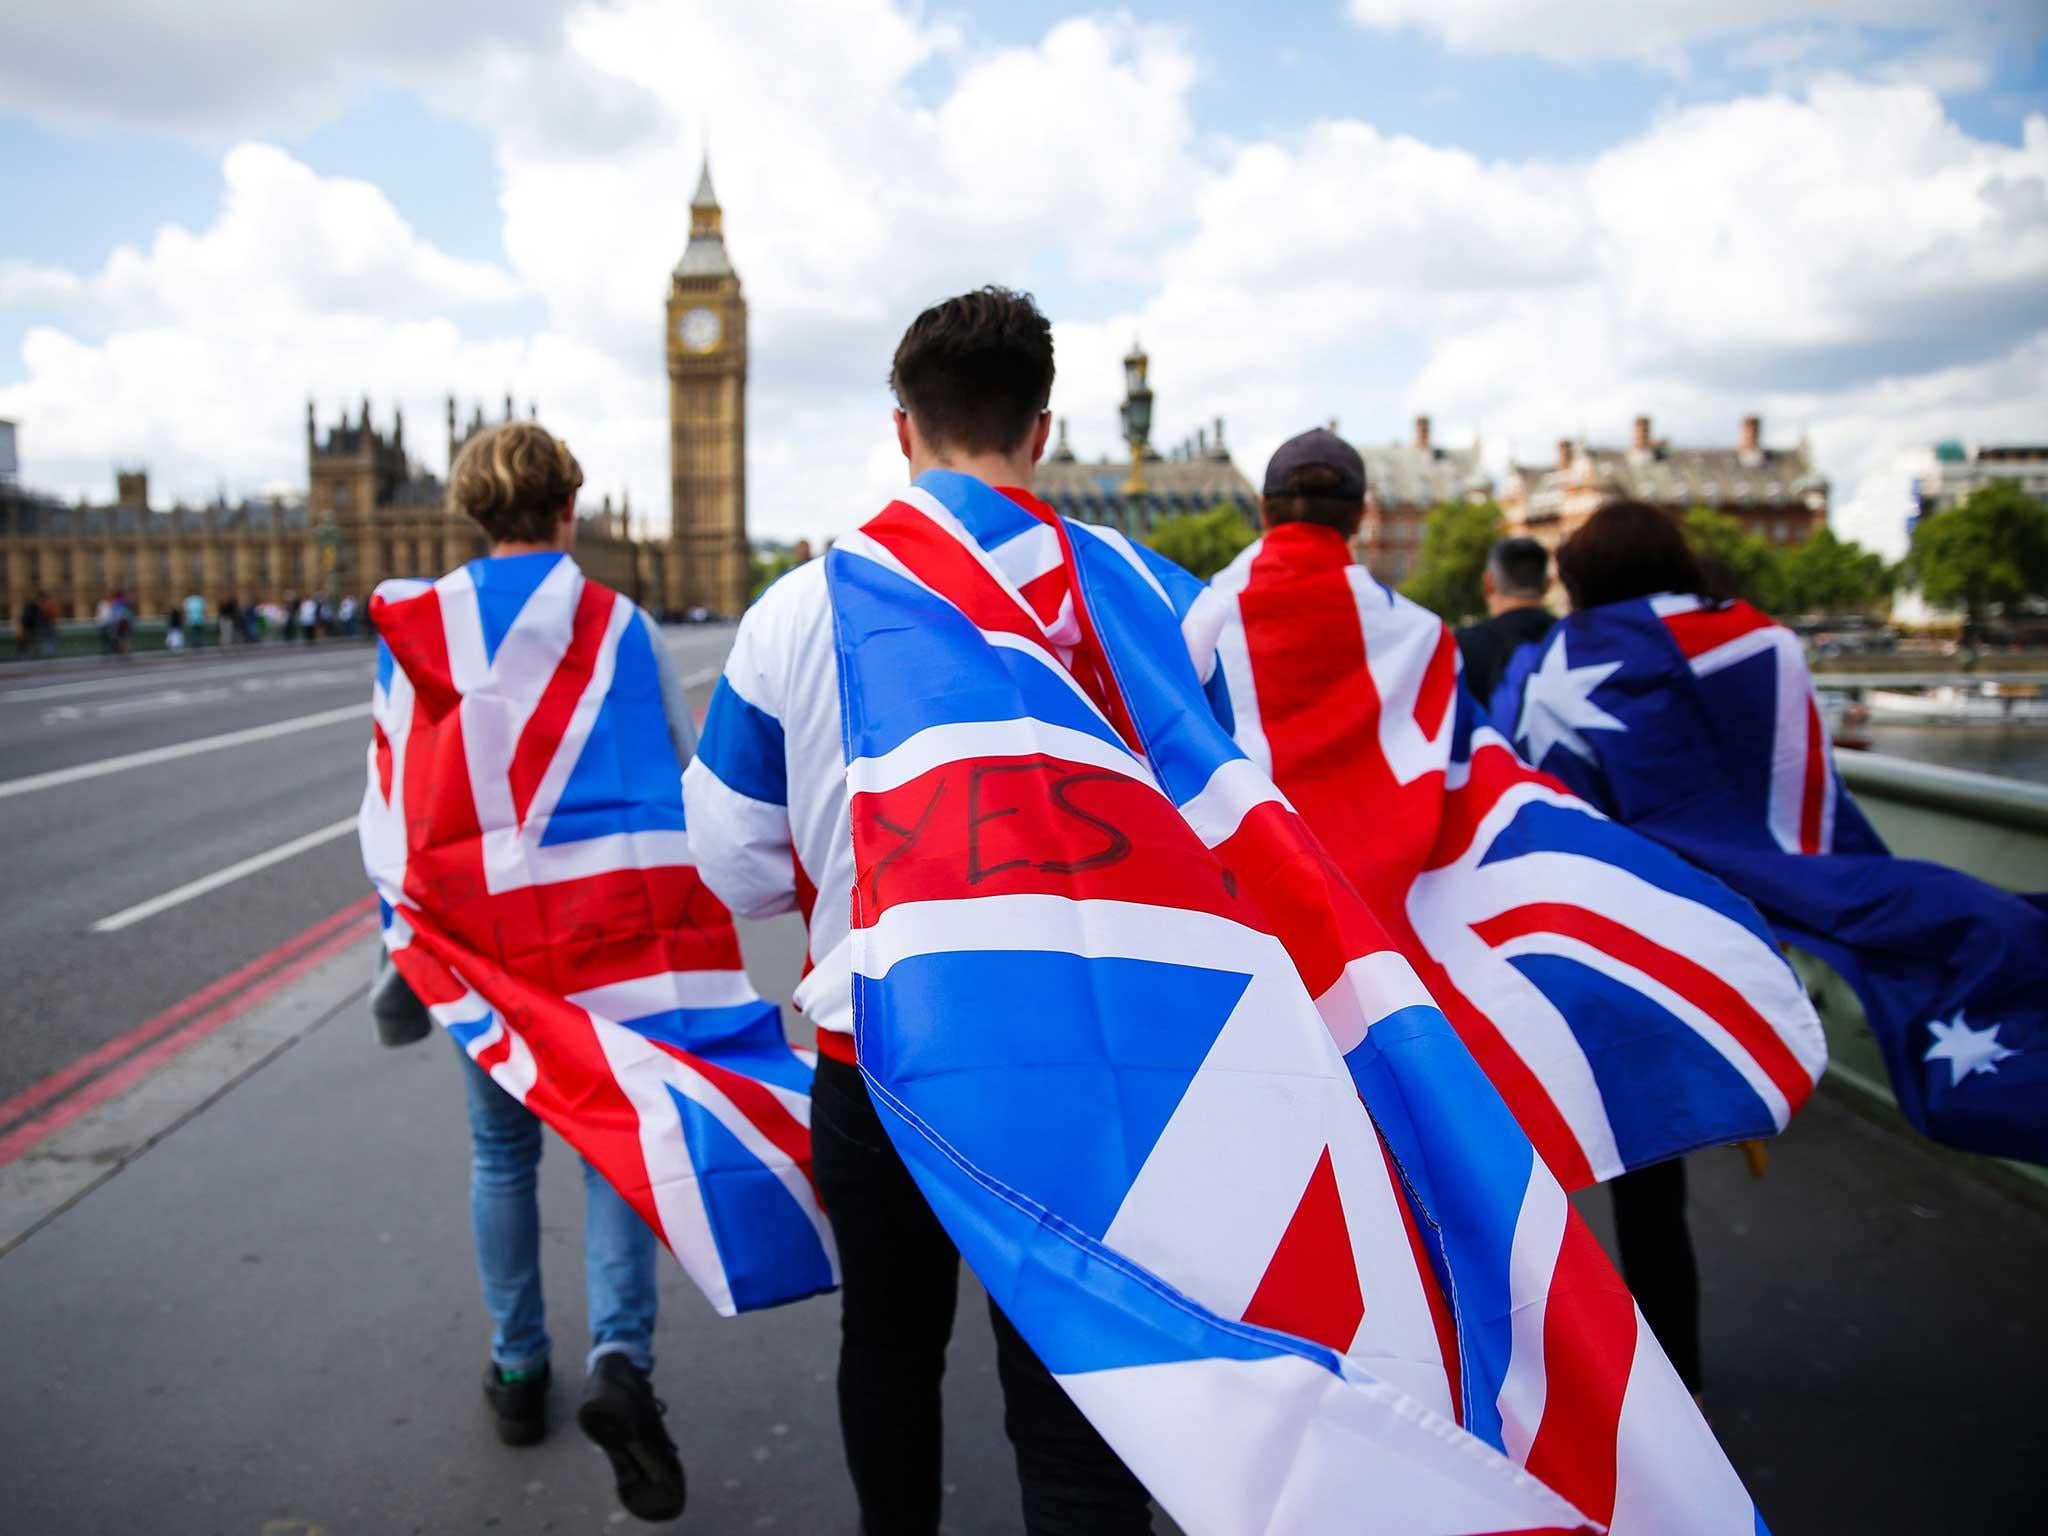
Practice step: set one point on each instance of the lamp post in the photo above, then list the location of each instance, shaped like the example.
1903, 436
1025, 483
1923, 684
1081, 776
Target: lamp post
1137, 417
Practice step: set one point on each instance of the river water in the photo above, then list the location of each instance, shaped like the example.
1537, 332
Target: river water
2010, 751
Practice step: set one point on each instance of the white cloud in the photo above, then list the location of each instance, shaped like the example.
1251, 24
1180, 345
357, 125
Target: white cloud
1842, 257
1664, 33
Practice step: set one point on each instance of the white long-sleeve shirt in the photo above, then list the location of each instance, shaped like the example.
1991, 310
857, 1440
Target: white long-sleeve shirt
765, 796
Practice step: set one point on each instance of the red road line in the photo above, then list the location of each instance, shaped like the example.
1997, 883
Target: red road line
141, 1049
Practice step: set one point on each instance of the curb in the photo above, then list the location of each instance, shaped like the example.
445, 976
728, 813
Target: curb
57, 1173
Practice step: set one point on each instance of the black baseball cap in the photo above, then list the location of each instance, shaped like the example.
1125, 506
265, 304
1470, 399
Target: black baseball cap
1319, 449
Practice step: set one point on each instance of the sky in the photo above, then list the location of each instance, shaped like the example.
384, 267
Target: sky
1527, 219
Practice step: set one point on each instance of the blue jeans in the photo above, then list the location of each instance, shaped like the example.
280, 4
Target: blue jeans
618, 1248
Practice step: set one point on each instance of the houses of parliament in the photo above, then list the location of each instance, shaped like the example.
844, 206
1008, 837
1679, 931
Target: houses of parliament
371, 510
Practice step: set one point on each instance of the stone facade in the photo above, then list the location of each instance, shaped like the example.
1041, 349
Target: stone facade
706, 346
1774, 492
1403, 482
369, 512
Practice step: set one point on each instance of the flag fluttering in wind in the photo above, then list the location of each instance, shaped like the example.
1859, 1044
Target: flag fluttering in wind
1188, 1113
1696, 723
523, 826
1628, 1007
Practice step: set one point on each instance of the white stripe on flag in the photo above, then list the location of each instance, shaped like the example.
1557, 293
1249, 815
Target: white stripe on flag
1532, 1264
644, 996
937, 745
1234, 790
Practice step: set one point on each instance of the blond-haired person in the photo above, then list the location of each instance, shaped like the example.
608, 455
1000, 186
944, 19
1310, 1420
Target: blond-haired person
518, 483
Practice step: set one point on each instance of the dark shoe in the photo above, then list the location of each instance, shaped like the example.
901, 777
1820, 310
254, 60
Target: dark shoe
622, 1418
521, 1406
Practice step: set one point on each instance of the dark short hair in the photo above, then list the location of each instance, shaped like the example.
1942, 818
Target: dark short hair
1625, 550
1521, 567
1305, 496
975, 372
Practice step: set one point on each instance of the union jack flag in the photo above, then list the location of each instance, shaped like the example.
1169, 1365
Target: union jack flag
523, 826
1191, 1117
1695, 723
1628, 1007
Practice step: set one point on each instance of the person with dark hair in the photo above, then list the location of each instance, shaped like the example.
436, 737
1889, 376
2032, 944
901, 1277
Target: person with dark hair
1517, 572
767, 804
1630, 550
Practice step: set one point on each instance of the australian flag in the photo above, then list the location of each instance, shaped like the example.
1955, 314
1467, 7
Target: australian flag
1695, 722
523, 825
1187, 1111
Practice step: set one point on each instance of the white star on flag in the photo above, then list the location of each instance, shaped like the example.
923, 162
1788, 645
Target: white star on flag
1557, 704
1966, 1050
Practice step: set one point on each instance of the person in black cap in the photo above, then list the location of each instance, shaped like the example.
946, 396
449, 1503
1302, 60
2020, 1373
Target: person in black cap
1517, 571
1315, 478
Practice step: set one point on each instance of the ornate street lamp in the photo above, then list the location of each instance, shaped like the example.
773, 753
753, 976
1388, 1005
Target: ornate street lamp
1137, 417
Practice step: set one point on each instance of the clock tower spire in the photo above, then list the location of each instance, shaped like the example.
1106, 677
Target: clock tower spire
706, 347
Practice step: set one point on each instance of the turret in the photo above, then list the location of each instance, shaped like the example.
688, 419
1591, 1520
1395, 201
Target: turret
705, 255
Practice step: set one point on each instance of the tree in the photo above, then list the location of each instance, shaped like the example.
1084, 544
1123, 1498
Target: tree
1831, 575
1991, 549
1739, 564
767, 565
1202, 543
1455, 543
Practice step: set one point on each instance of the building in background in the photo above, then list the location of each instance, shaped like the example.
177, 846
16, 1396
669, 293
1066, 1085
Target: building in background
706, 330
1958, 471
1774, 492
1403, 482
369, 512
1134, 492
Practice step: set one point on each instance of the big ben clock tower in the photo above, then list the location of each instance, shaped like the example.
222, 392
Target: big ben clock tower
707, 419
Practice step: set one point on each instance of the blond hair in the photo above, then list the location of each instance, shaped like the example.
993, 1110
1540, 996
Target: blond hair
513, 482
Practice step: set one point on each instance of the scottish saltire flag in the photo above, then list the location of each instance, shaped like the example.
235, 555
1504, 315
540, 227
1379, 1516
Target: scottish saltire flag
1695, 722
1188, 1113
1627, 1006
523, 826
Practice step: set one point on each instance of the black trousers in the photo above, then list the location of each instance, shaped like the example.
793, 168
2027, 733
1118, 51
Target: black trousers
1657, 1260
899, 1284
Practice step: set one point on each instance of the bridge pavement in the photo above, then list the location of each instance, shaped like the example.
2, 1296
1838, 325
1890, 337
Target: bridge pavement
262, 1319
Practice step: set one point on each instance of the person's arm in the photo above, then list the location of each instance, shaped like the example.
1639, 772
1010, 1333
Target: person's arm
675, 704
736, 787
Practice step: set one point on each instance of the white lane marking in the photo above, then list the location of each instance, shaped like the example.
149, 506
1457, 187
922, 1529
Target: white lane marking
129, 916
154, 675
106, 765
176, 698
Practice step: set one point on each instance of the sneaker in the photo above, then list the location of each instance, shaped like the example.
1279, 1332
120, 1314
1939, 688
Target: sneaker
521, 1406
622, 1417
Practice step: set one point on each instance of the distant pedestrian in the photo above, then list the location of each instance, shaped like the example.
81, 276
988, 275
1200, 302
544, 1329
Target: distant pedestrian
195, 617
28, 628
1517, 573
230, 615
124, 622
291, 618
309, 619
174, 630
103, 621
46, 642
345, 614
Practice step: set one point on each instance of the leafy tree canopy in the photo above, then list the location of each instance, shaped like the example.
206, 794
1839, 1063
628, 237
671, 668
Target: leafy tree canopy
1831, 575
1455, 542
1202, 542
1991, 549
1738, 563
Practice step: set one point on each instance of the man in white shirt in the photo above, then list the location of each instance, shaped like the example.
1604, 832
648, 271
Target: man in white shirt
766, 802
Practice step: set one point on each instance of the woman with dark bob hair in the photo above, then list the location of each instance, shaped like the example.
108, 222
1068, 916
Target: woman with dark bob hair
1629, 550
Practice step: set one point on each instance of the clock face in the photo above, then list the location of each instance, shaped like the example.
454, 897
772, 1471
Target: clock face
699, 329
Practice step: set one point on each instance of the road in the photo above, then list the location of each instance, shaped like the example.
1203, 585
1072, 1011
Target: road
260, 1316
90, 850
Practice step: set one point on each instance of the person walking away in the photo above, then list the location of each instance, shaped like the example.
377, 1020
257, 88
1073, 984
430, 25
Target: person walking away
766, 803
103, 621
309, 619
1516, 576
124, 622
518, 483
195, 617
229, 614
28, 628
345, 613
